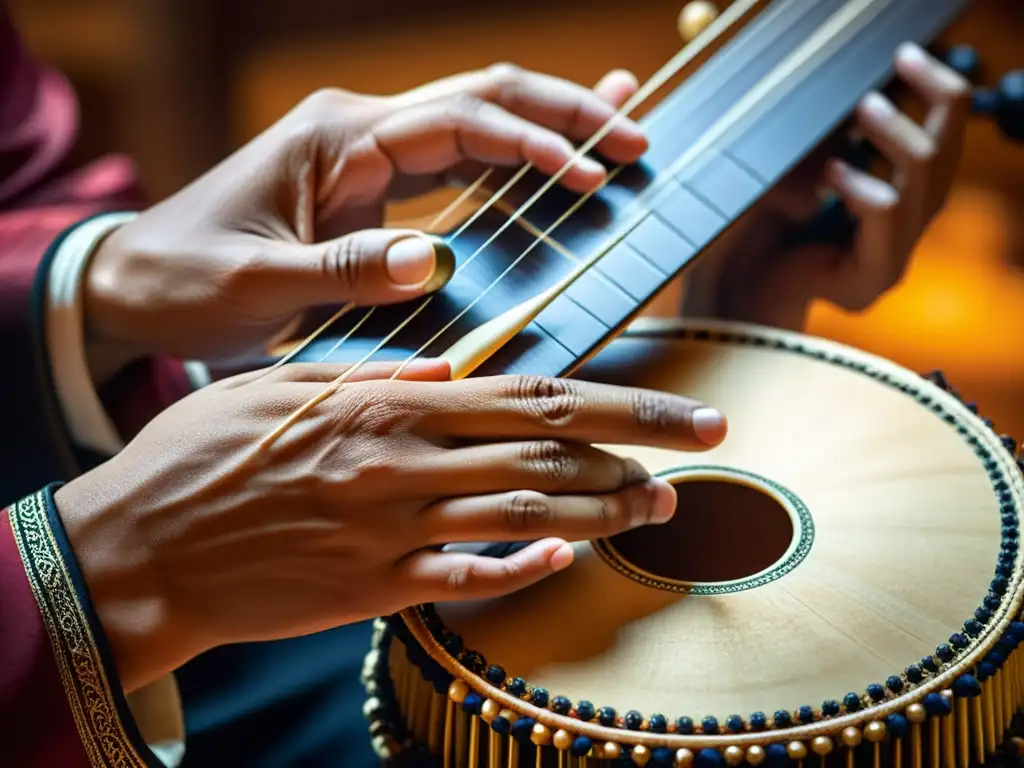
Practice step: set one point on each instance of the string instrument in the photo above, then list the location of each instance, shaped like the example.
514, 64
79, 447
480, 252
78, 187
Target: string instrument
842, 582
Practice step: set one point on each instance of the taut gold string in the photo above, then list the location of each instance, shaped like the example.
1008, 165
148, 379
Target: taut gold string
732, 14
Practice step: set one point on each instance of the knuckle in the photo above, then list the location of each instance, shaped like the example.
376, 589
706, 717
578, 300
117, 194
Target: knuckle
552, 401
923, 149
653, 411
343, 261
505, 75
463, 108
525, 511
325, 102
552, 460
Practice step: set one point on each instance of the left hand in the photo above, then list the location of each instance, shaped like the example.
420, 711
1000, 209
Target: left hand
756, 273
291, 221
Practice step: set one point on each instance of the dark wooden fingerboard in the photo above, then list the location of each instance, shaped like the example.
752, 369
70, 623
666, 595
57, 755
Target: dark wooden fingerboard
655, 236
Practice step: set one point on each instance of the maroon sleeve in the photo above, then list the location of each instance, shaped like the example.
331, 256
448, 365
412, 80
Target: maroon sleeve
61, 703
41, 198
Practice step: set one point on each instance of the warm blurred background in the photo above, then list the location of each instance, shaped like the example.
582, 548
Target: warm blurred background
178, 83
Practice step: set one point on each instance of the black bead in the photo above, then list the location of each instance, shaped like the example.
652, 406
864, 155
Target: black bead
585, 711
806, 714
539, 697
1009, 113
734, 723
897, 726
894, 683
581, 746
914, 674
758, 721
964, 60
657, 724
500, 725
782, 718
936, 704
561, 705
517, 686
684, 725
852, 702
973, 627
633, 720
472, 703
776, 756
606, 716
959, 641
495, 675
984, 615
708, 758
522, 729
876, 692
992, 602
830, 708
709, 725
966, 686
662, 757
945, 653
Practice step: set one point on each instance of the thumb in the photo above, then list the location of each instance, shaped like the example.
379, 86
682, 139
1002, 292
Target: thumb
368, 267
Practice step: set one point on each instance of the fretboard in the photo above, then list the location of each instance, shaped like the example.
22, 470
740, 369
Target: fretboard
718, 143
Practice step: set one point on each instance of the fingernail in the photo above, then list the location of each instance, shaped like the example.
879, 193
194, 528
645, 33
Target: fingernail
910, 53
590, 165
420, 260
878, 105
561, 558
664, 501
709, 425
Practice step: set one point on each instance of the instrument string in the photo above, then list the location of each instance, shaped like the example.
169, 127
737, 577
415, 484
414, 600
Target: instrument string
733, 13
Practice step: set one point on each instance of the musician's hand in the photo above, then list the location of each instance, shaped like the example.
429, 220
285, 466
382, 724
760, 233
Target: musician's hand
756, 273
195, 536
290, 221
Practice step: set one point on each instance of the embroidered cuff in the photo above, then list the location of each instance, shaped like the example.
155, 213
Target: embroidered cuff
108, 733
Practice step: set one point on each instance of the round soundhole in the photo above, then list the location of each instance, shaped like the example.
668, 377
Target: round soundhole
722, 532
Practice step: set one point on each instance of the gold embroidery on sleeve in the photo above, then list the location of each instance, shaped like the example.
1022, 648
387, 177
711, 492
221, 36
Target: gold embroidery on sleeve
85, 681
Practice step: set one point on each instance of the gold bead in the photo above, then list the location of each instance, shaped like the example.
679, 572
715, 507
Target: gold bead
797, 750
489, 710
695, 18
822, 745
458, 691
733, 755
612, 751
947, 695
875, 732
563, 740
756, 755
1018, 745
641, 755
851, 736
684, 758
540, 735
916, 713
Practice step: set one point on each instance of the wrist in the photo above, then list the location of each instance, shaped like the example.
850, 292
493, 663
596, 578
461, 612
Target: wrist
145, 637
108, 322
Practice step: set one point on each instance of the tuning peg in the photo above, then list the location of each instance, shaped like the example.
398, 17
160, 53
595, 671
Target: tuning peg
1004, 104
695, 18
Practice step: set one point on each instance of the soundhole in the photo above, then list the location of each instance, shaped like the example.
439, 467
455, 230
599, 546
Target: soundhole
722, 531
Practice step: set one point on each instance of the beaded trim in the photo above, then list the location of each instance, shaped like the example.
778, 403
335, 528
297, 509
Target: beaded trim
946, 655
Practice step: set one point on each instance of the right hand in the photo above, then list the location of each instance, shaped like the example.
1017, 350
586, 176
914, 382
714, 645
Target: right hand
194, 537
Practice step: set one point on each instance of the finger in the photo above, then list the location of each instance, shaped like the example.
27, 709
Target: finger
949, 99
880, 255
908, 147
945, 90
437, 136
435, 577
417, 370
368, 267
617, 87
568, 108
510, 407
548, 466
527, 515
